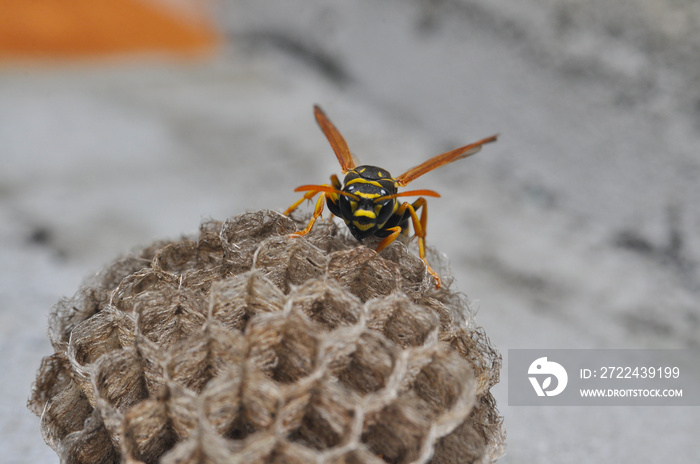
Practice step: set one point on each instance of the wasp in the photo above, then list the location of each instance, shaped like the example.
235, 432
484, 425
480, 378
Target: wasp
367, 199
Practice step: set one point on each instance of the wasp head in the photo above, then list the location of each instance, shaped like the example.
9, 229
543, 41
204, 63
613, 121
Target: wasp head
369, 205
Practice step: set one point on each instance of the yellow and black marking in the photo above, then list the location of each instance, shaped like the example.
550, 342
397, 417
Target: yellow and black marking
366, 215
367, 198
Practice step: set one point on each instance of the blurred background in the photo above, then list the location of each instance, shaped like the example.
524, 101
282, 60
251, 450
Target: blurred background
126, 121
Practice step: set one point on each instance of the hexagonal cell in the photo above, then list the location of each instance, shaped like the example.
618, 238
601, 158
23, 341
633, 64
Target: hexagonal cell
235, 300
402, 321
289, 261
369, 365
65, 413
241, 402
464, 444
53, 377
167, 315
320, 415
283, 346
270, 449
91, 445
327, 303
241, 236
364, 273
195, 361
475, 347
148, 431
442, 379
202, 446
69, 312
106, 331
359, 455
118, 378
415, 279
326, 235
397, 432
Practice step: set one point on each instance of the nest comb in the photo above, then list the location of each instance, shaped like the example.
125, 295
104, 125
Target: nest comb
243, 345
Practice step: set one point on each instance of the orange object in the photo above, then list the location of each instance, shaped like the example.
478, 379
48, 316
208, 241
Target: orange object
75, 28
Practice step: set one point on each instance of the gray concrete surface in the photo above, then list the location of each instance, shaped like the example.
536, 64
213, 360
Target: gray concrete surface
579, 228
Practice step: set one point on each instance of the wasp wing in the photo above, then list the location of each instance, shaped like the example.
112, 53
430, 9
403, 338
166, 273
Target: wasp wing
441, 160
335, 138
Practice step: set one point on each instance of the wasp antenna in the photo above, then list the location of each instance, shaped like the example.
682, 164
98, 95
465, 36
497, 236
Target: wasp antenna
325, 188
409, 193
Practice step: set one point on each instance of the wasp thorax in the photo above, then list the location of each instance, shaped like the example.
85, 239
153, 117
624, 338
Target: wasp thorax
372, 172
249, 345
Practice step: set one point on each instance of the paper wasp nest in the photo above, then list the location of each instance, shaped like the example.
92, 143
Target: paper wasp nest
246, 345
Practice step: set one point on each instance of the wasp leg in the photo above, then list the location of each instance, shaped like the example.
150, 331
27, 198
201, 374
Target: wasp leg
395, 232
318, 210
335, 183
307, 196
421, 233
419, 228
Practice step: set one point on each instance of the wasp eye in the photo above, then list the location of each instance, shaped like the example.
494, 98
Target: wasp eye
383, 192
